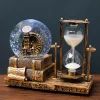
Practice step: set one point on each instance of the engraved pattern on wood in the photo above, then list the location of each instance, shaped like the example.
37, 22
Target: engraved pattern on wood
53, 85
13, 61
28, 62
37, 75
16, 77
16, 71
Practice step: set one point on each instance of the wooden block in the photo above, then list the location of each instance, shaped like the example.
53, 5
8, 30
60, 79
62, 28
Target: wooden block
54, 85
36, 64
16, 73
40, 75
13, 61
16, 77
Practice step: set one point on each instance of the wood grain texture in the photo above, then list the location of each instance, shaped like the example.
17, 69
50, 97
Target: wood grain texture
38, 64
8, 93
52, 84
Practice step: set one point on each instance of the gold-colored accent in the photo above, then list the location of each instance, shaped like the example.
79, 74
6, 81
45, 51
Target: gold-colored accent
85, 45
40, 75
33, 64
89, 50
71, 73
32, 44
61, 43
55, 46
16, 73
75, 21
85, 40
53, 85
55, 59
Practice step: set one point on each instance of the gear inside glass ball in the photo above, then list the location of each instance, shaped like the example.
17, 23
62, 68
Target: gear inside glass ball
32, 44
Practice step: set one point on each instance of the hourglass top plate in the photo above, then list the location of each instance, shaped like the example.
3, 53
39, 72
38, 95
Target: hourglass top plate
76, 21
66, 76
33, 35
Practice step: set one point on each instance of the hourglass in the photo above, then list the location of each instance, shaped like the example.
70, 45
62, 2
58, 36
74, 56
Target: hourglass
74, 65
73, 37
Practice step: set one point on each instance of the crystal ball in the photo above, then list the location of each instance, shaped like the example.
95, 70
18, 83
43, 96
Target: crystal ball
30, 38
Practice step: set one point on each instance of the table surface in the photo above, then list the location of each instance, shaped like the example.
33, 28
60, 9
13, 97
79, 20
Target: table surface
11, 93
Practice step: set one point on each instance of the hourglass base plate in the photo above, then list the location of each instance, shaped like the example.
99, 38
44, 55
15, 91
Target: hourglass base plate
53, 84
76, 77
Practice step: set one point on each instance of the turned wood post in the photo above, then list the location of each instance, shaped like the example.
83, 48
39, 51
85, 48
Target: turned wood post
85, 43
89, 50
55, 46
61, 38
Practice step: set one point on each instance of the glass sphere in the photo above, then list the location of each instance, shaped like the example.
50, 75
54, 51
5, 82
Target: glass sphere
72, 62
30, 38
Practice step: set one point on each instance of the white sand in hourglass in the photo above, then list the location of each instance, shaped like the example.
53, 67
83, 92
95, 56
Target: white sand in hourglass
72, 66
73, 40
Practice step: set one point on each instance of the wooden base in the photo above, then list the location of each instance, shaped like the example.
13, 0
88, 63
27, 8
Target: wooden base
64, 76
53, 84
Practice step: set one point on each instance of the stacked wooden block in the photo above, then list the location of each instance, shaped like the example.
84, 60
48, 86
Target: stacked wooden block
30, 69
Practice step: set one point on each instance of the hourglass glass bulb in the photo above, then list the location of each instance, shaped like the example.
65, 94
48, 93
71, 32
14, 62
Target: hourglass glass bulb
73, 36
70, 63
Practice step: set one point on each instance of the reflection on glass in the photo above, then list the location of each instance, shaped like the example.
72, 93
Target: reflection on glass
30, 38
73, 37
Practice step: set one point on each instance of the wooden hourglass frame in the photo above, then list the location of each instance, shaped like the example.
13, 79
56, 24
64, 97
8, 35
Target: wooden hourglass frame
87, 49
